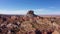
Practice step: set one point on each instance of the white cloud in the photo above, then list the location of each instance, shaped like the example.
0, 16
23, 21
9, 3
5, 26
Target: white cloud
37, 11
19, 11
13, 12
40, 11
54, 13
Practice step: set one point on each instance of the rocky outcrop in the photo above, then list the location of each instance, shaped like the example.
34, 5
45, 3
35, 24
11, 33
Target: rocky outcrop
31, 14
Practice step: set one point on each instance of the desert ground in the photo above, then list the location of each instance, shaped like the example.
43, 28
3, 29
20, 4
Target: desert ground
29, 24
20, 24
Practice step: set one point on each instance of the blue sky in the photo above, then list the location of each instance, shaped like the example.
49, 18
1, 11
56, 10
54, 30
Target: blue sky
44, 7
